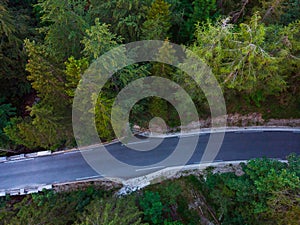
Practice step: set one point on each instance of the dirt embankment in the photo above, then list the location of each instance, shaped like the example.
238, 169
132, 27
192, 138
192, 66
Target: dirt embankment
82, 185
233, 120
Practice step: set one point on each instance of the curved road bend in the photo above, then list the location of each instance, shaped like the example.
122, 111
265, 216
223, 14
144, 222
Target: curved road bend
71, 166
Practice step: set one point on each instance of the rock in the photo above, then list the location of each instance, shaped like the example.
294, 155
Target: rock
126, 190
136, 127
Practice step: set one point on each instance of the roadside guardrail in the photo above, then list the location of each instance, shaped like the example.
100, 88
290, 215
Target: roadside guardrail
25, 191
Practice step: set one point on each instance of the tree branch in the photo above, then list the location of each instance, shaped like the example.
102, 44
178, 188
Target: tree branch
236, 15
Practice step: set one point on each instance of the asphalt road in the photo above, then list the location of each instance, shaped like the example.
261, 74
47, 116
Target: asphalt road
71, 166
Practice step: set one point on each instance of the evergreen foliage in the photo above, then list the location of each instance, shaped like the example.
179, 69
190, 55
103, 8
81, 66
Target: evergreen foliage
46, 46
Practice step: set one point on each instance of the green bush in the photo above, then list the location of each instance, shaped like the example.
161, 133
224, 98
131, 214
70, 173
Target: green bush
152, 207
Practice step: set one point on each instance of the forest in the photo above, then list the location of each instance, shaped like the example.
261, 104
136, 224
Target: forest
253, 48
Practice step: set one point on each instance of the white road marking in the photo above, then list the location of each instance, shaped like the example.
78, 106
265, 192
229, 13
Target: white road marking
188, 135
91, 177
138, 142
19, 160
209, 162
72, 152
150, 168
90, 149
248, 131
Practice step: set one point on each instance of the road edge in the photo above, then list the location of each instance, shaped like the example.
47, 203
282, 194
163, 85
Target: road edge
155, 135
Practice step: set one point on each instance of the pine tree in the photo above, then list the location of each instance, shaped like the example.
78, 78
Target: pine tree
49, 124
239, 58
64, 24
160, 107
14, 26
125, 16
99, 39
6, 111
157, 24
203, 10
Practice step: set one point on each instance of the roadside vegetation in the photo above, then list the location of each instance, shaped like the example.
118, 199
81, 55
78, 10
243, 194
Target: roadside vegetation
253, 48
265, 192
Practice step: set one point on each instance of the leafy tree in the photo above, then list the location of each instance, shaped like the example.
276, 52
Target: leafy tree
294, 164
284, 207
278, 189
267, 188
152, 207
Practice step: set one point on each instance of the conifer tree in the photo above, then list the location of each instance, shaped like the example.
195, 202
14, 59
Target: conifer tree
239, 58
49, 124
158, 106
157, 24
64, 24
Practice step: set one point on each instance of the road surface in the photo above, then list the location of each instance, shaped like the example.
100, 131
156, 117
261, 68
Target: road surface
71, 166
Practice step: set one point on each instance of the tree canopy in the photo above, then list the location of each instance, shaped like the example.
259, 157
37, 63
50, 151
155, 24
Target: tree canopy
47, 45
